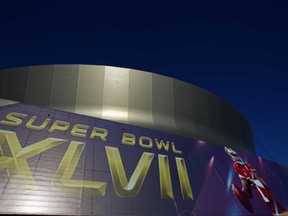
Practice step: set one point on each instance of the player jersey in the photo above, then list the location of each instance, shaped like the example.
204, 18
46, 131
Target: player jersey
245, 171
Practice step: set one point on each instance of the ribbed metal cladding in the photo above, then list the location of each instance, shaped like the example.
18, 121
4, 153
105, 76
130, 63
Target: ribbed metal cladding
130, 96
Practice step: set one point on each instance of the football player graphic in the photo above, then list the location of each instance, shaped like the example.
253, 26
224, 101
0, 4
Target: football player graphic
250, 180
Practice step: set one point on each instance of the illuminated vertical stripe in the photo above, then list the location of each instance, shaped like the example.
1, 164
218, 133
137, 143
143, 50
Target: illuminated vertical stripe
115, 94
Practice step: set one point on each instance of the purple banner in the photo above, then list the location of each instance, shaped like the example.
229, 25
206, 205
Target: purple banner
55, 162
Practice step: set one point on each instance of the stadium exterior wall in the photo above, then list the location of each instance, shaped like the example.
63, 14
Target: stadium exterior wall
99, 140
130, 96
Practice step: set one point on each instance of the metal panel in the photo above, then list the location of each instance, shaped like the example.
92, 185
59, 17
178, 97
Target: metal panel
230, 125
140, 99
183, 108
16, 84
65, 79
199, 105
2, 82
90, 90
245, 134
199, 111
163, 105
115, 95
39, 85
215, 122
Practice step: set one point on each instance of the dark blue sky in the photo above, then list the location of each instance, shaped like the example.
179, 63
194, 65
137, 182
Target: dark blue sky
237, 50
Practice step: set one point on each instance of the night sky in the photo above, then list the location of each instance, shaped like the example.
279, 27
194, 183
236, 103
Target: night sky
235, 49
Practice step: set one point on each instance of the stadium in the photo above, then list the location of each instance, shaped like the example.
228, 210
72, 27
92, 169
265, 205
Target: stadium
101, 140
